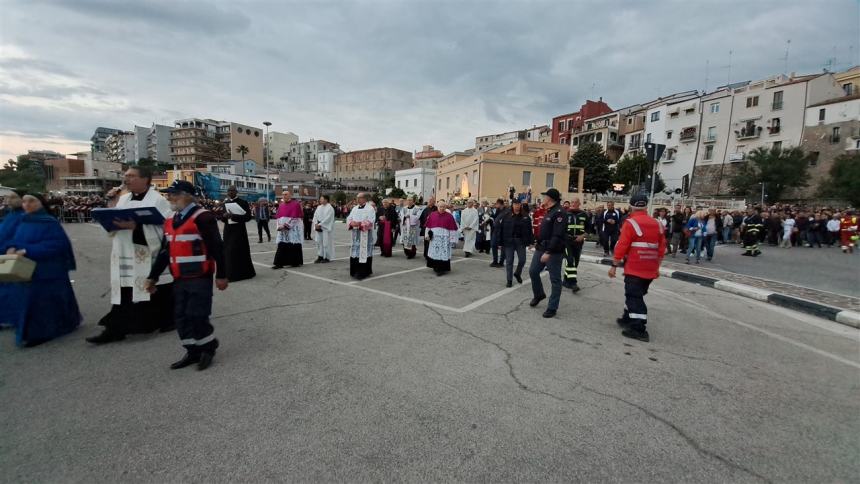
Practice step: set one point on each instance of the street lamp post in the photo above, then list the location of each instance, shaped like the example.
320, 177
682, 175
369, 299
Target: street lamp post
266, 157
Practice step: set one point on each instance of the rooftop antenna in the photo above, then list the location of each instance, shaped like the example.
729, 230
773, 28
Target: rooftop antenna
729, 67
785, 57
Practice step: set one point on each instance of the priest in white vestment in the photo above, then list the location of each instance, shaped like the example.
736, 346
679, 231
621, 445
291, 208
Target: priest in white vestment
323, 224
469, 222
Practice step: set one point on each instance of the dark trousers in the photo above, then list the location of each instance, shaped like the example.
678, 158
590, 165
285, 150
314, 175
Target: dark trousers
192, 307
495, 240
553, 266
261, 226
635, 311
609, 240
307, 230
751, 241
519, 248
572, 251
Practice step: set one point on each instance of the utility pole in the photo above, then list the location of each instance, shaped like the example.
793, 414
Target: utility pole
266, 158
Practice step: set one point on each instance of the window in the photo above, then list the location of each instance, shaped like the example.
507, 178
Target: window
599, 137
848, 88
576, 141
655, 116
456, 181
709, 152
629, 121
715, 108
777, 145
440, 184
563, 141
414, 183
668, 135
527, 178
475, 177
834, 138
550, 180
669, 155
561, 125
777, 100
775, 126
447, 182
712, 133
648, 138
752, 101
407, 183
821, 114
813, 158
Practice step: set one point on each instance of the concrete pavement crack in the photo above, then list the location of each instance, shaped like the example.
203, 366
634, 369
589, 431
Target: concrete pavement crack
689, 440
274, 306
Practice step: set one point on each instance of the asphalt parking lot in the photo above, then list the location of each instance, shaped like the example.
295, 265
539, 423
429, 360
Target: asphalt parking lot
410, 377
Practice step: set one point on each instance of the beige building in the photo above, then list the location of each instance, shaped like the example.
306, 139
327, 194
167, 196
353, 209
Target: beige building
602, 130
849, 81
487, 175
195, 142
372, 165
428, 157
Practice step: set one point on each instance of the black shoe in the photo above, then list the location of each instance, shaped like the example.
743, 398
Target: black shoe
468, 254
509, 284
495, 264
319, 259
519, 278
746, 253
205, 361
549, 313
277, 267
606, 254
623, 322
105, 337
535, 301
636, 334
187, 360
574, 289
324, 261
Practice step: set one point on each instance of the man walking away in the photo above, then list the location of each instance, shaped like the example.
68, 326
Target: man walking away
262, 215
642, 244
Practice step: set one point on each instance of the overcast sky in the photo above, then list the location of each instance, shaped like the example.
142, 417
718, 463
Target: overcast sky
383, 73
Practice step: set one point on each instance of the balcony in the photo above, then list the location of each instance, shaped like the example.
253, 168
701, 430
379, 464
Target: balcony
687, 134
835, 138
634, 145
748, 132
711, 138
776, 106
773, 130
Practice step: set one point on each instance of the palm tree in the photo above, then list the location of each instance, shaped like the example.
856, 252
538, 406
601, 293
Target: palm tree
242, 150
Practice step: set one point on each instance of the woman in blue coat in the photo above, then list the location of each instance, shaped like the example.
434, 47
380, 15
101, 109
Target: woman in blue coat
49, 305
11, 315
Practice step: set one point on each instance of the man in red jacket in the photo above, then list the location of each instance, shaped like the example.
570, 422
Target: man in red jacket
642, 243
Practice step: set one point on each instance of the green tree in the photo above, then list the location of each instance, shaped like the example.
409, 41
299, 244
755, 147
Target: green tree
397, 193
339, 197
598, 175
632, 170
778, 169
242, 150
844, 180
23, 173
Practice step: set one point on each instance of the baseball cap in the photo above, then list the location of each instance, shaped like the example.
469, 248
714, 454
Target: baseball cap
553, 193
639, 200
181, 186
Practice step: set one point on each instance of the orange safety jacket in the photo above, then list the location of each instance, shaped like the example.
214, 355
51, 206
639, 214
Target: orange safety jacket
188, 255
643, 244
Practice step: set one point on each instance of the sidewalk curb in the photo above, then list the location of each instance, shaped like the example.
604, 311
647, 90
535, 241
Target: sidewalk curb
839, 315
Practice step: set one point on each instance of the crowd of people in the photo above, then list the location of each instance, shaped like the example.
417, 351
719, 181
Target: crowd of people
162, 274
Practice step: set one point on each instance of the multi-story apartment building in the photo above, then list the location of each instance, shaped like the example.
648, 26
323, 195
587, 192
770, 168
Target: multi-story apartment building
304, 157
373, 165
428, 157
563, 125
541, 134
490, 141
681, 137
768, 113
97, 141
491, 174
325, 162
419, 181
849, 81
278, 146
195, 142
43, 155
120, 148
631, 129
831, 129
603, 131
158, 143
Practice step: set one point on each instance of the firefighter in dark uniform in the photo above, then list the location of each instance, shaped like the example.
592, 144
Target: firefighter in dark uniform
193, 249
549, 253
751, 228
577, 225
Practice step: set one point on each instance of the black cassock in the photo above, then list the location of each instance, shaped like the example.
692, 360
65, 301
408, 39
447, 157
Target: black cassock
237, 250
